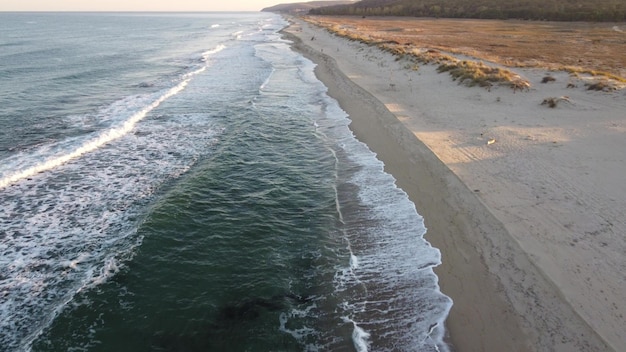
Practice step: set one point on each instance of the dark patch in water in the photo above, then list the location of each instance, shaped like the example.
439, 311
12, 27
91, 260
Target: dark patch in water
251, 309
247, 310
203, 337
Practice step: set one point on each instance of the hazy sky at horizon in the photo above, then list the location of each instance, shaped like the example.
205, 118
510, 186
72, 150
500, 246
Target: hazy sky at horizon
138, 5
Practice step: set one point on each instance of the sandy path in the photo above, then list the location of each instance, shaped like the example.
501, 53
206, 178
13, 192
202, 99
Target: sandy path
531, 227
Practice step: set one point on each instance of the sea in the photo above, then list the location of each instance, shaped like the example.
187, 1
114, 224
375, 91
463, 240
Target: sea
183, 182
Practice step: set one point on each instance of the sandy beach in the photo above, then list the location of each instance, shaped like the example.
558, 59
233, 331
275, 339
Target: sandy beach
525, 202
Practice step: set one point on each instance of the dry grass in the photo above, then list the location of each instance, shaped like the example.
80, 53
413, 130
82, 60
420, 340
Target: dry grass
602, 85
470, 73
474, 73
553, 102
595, 49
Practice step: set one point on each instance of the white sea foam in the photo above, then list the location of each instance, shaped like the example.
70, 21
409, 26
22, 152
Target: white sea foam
207, 54
237, 35
354, 261
388, 283
267, 80
104, 138
360, 338
73, 226
303, 334
398, 269
9, 177
71, 229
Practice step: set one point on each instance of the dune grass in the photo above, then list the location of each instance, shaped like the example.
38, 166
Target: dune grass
470, 73
580, 48
473, 73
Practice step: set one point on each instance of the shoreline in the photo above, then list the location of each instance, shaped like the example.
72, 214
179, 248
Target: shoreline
503, 300
427, 185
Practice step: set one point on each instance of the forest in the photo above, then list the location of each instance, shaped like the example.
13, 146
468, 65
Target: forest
303, 7
550, 10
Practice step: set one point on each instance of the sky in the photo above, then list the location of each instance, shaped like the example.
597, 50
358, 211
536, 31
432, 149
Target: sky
138, 5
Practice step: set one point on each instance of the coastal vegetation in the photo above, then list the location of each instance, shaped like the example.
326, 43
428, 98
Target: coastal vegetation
552, 102
474, 73
594, 52
304, 7
552, 10
470, 73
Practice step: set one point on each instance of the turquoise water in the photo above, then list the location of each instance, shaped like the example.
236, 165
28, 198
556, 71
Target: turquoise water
182, 182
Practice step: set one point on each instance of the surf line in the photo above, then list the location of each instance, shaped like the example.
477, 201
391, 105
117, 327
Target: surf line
105, 137
102, 139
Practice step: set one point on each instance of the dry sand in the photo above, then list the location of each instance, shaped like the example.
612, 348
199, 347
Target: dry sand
525, 202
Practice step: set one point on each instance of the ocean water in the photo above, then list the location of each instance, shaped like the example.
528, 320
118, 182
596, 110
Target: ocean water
182, 182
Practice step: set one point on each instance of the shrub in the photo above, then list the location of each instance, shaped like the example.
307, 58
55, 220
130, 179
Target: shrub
552, 102
600, 86
474, 73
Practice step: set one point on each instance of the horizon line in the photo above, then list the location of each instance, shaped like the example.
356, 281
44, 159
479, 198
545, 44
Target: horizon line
125, 11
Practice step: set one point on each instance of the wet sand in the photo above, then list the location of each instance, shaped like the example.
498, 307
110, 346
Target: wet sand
525, 202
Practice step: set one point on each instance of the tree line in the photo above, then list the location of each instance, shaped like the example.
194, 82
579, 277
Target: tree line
551, 10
